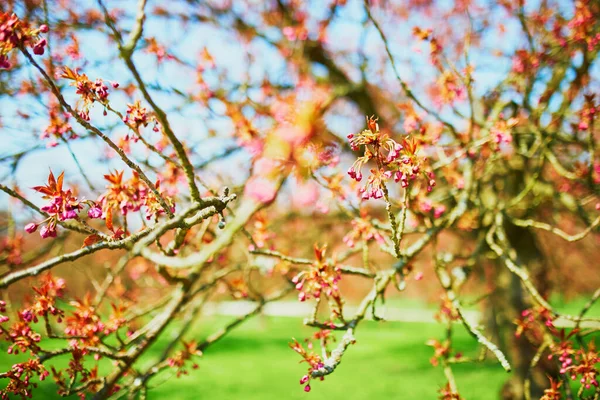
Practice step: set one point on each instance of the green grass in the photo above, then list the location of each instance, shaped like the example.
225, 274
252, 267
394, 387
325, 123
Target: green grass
389, 360
254, 362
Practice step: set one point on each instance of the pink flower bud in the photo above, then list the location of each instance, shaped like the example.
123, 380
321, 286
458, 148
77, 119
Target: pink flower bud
438, 211
95, 212
44, 28
31, 227
47, 231
38, 49
304, 379
4, 63
307, 388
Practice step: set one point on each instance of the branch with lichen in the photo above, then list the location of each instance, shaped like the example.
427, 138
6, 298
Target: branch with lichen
126, 54
527, 223
134, 242
332, 362
446, 283
346, 269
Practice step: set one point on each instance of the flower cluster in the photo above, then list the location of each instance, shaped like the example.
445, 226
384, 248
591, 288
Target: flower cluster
587, 113
529, 322
22, 337
63, 206
44, 303
315, 362
322, 277
11, 249
20, 379
585, 367
84, 323
363, 230
83, 328
89, 91
293, 33
447, 312
20, 334
429, 207
501, 131
138, 116
441, 350
236, 287
261, 235
449, 88
14, 33
446, 393
553, 392
179, 359
583, 25
577, 363
76, 368
130, 195
58, 128
435, 47
392, 159
524, 62
160, 51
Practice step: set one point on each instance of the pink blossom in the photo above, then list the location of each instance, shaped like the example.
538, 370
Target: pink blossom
438, 211
95, 212
426, 206
292, 134
306, 194
48, 231
31, 227
261, 189
68, 214
38, 48
289, 33
410, 123
4, 63
355, 174
264, 166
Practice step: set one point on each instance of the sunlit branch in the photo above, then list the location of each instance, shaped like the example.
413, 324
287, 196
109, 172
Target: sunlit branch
558, 232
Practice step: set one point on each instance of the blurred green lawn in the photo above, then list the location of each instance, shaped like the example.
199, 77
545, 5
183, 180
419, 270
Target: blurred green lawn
254, 362
389, 360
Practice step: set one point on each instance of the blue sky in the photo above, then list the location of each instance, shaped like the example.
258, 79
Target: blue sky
192, 122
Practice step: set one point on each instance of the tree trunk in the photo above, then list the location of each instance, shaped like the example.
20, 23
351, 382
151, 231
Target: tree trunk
508, 301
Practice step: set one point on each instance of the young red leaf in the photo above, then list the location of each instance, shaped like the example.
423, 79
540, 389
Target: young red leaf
109, 223
90, 240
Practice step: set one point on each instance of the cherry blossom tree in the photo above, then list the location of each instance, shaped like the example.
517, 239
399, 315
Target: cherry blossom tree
457, 135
